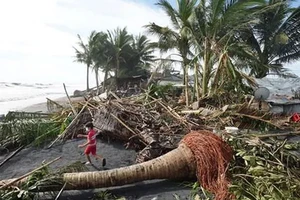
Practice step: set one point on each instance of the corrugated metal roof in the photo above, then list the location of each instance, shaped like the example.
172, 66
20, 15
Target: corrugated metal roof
281, 89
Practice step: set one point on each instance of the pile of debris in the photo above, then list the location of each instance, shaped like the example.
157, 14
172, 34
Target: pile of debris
152, 127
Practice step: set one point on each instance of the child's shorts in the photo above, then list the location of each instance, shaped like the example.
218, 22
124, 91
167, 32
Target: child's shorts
90, 149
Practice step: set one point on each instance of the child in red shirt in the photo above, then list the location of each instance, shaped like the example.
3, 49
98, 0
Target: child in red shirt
91, 144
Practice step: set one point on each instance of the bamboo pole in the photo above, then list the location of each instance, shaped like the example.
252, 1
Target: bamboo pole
12, 155
60, 192
256, 118
69, 99
277, 134
132, 131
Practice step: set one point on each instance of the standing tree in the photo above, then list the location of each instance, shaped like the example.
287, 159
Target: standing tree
177, 37
214, 31
100, 57
85, 53
139, 59
274, 40
119, 47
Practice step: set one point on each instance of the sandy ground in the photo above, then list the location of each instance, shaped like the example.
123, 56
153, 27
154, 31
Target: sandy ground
116, 155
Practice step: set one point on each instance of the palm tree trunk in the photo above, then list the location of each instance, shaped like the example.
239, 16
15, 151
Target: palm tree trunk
87, 78
177, 164
117, 70
217, 78
196, 68
173, 165
186, 80
205, 70
97, 80
186, 84
105, 80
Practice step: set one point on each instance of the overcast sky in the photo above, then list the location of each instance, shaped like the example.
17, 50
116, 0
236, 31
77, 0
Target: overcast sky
37, 36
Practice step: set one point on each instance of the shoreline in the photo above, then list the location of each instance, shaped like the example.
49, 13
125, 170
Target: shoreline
42, 106
31, 97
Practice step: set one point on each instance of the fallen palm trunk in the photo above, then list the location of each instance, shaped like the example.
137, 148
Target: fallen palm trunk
200, 152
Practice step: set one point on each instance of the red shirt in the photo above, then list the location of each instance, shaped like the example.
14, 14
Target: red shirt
92, 138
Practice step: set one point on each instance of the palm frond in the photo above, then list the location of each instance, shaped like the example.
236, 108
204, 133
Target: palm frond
170, 11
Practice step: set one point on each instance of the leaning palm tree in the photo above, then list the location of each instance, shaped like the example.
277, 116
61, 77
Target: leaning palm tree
178, 37
85, 53
274, 40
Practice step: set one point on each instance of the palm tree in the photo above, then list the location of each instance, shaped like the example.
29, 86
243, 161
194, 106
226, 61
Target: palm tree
274, 40
143, 50
85, 54
119, 47
179, 37
214, 31
139, 58
99, 57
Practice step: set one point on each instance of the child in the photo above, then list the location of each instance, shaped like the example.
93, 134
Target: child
91, 144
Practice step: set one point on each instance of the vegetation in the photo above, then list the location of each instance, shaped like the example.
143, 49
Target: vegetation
265, 168
116, 51
227, 43
273, 40
22, 132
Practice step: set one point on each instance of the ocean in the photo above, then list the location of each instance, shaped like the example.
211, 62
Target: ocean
15, 96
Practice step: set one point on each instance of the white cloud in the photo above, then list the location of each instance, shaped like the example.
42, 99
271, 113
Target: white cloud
37, 36
294, 67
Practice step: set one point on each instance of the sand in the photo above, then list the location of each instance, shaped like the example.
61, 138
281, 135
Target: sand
116, 155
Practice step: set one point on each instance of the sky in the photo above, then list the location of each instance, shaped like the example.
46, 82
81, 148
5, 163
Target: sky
37, 36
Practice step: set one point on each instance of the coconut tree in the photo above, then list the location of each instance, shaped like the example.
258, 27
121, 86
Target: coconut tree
139, 58
143, 51
214, 31
106, 68
177, 37
84, 53
101, 57
274, 40
119, 47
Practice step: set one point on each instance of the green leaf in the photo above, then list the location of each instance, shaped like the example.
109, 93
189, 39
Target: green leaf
257, 171
251, 159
